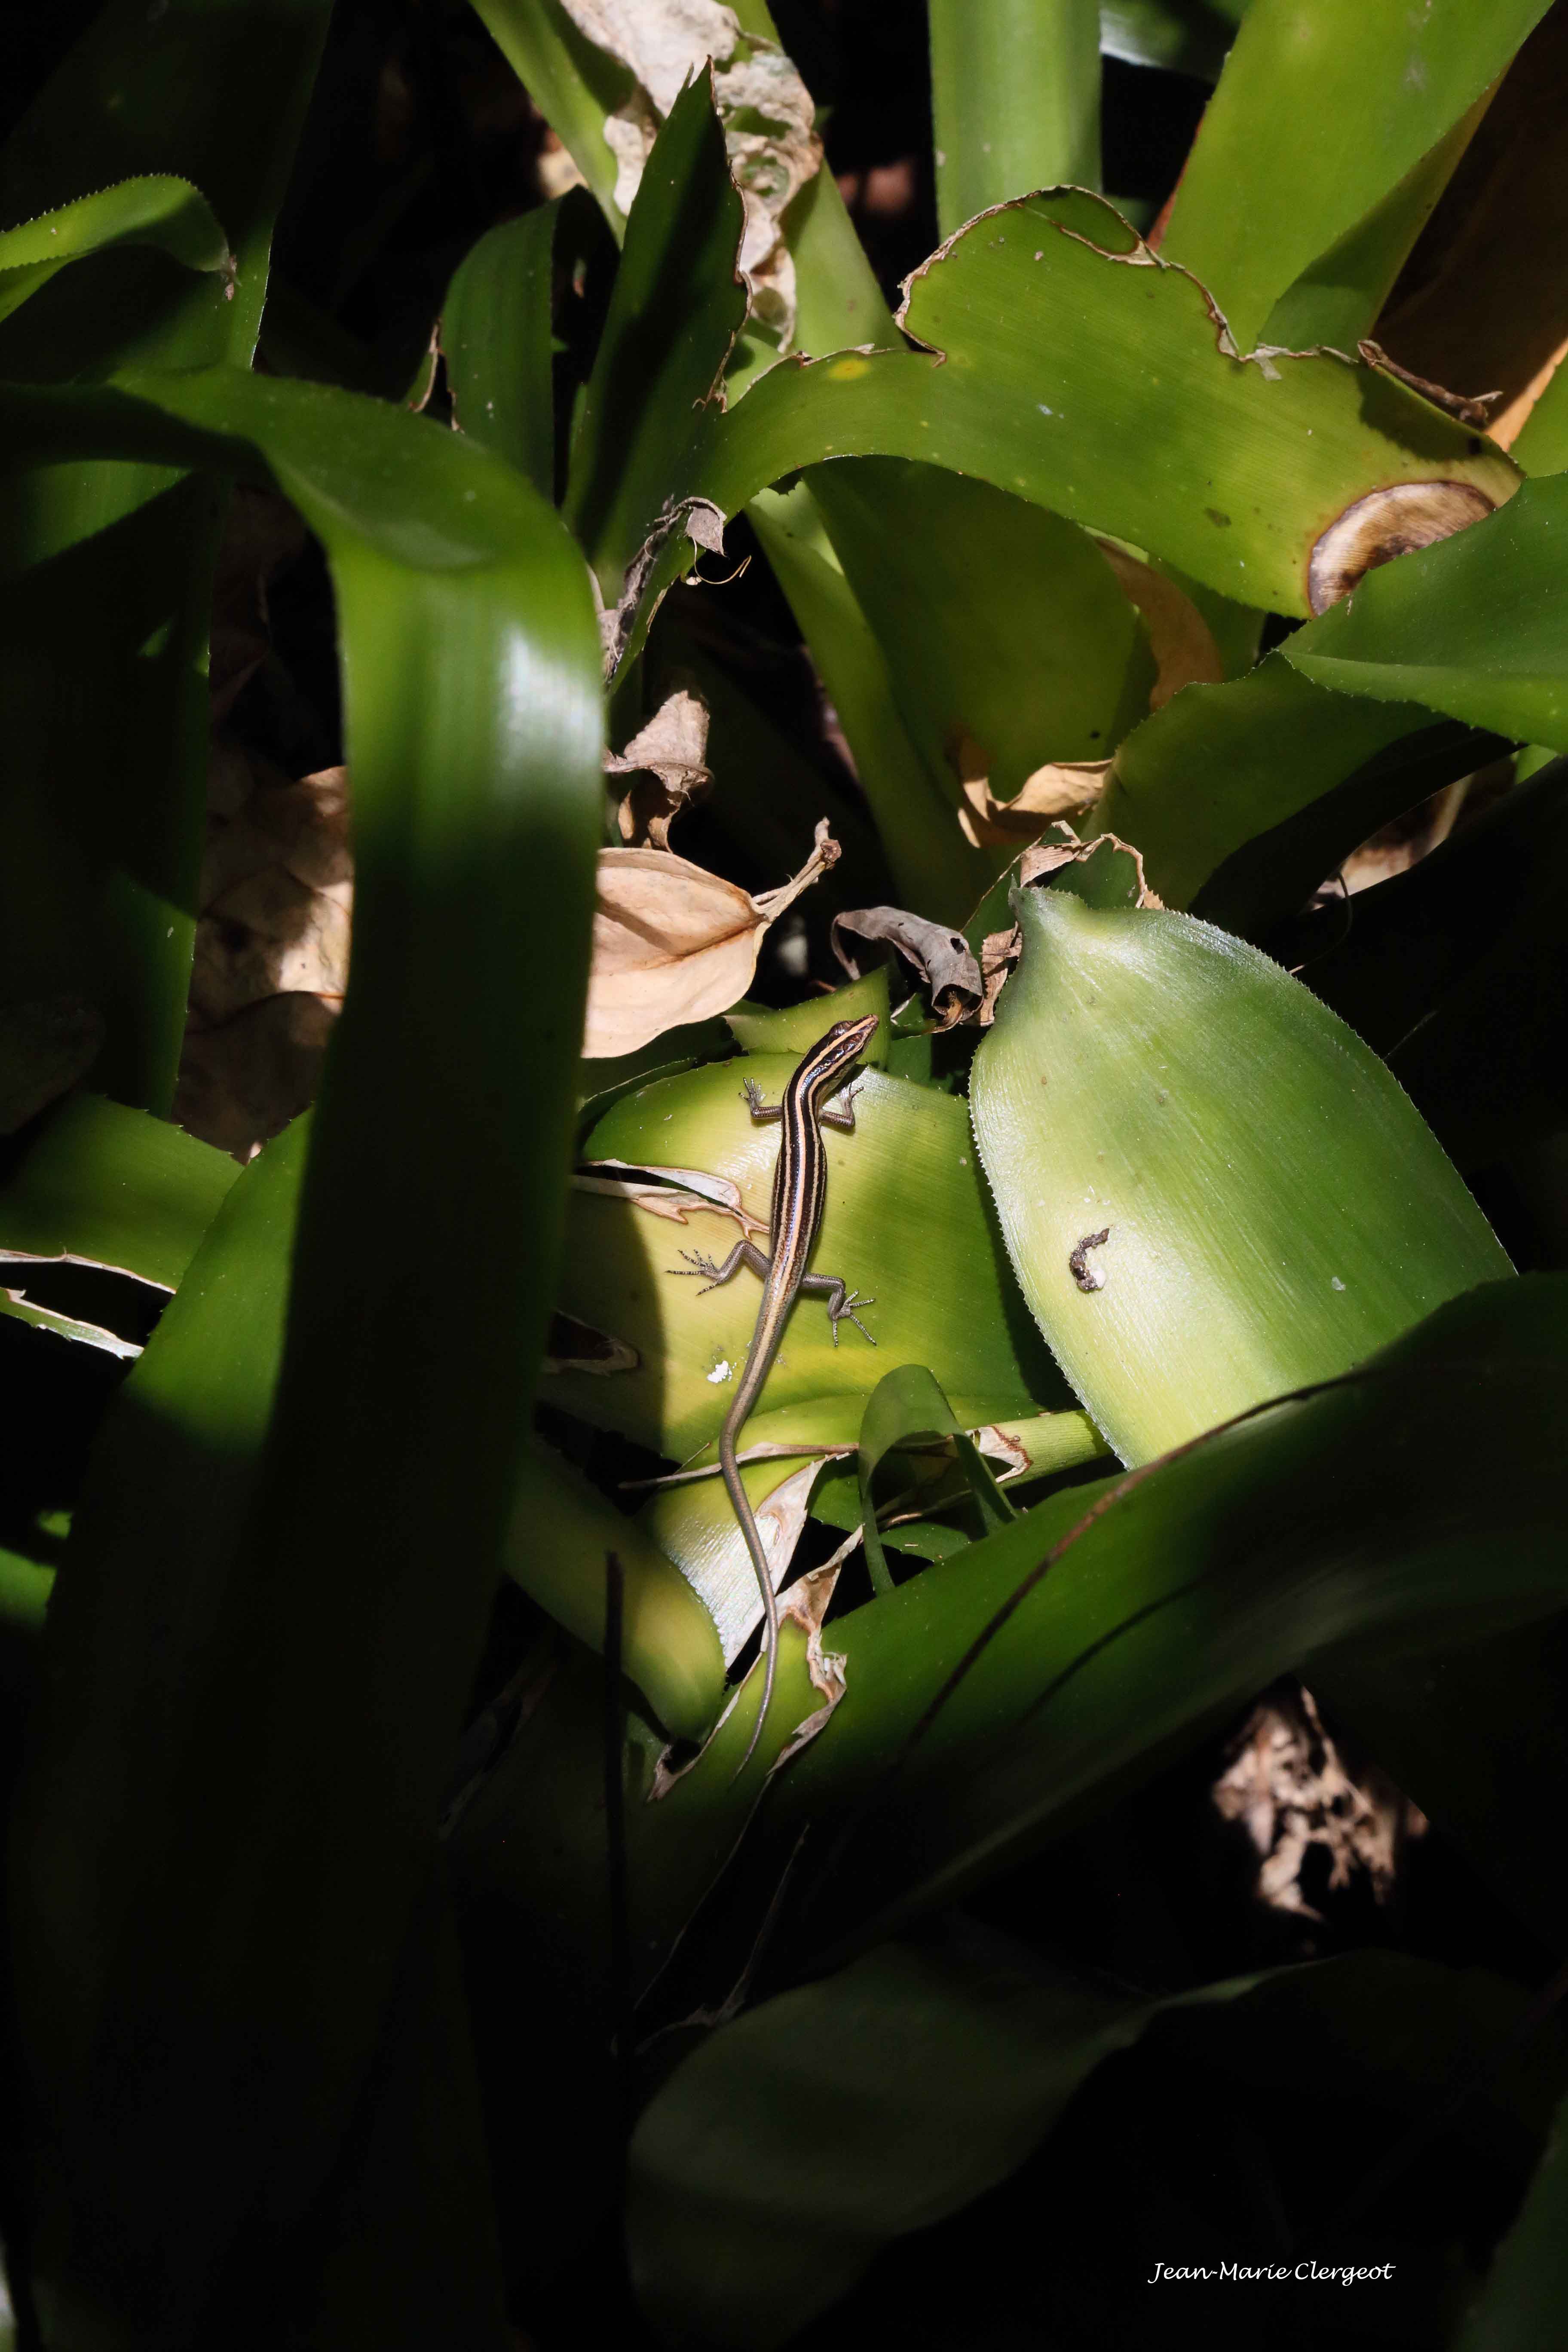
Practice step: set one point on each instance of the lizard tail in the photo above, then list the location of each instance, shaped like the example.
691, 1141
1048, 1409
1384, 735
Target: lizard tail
753, 1533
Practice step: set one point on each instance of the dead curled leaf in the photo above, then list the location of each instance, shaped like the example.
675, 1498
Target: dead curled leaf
666, 760
944, 958
673, 943
804, 1607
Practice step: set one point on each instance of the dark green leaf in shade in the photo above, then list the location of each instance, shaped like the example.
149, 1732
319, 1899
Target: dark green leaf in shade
907, 1402
1521, 2305
797, 2141
498, 334
106, 581
1415, 1503
286, 1779
678, 304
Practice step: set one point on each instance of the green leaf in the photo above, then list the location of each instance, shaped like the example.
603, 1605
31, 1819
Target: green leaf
1221, 766
106, 584
1522, 2305
1212, 1191
1323, 109
797, 2141
575, 85
1472, 626
1093, 382
560, 1529
911, 794
678, 304
292, 1773
907, 1402
104, 1186
498, 332
1189, 37
1417, 1503
1015, 100
908, 1173
999, 623
795, 1028
155, 209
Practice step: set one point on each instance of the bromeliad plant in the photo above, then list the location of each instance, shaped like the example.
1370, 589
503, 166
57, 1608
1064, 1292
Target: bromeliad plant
1196, 1361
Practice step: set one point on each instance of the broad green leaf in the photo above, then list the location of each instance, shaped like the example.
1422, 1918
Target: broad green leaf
498, 329
795, 2141
1000, 624
678, 304
1212, 1191
155, 209
1473, 626
1520, 2307
330, 1646
1323, 108
105, 1186
560, 1531
1015, 100
106, 582
912, 795
1093, 381
1221, 765
906, 1175
1418, 1502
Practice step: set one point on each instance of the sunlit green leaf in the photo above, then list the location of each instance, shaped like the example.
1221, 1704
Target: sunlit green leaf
1212, 1191
1473, 626
1323, 108
1092, 381
1015, 100
908, 1171
105, 1186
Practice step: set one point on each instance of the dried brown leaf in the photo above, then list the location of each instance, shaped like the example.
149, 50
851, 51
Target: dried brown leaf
673, 943
668, 761
944, 958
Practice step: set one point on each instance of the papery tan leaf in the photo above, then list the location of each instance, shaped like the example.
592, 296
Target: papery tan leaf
673, 943
764, 105
668, 760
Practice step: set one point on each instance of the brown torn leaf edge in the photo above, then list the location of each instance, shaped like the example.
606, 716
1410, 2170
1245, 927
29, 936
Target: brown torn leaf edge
77, 1258
944, 957
1469, 408
703, 524
804, 1605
